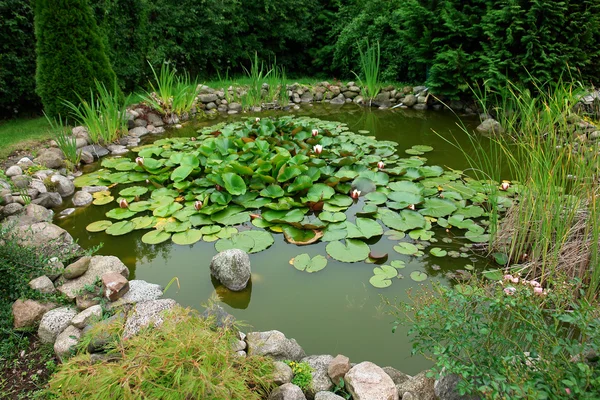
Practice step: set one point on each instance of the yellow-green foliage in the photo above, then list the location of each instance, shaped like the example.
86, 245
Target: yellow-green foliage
183, 359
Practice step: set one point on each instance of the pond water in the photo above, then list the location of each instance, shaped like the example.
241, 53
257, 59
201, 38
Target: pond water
333, 311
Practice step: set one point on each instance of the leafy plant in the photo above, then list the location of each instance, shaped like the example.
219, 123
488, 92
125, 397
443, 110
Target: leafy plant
66, 142
302, 374
340, 389
370, 60
257, 76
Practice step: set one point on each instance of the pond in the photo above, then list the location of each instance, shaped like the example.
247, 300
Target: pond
335, 310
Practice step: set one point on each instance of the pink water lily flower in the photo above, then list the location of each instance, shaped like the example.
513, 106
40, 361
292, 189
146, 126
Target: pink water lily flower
411, 207
355, 194
139, 161
318, 149
123, 203
257, 119
315, 132
510, 290
198, 205
380, 165
504, 186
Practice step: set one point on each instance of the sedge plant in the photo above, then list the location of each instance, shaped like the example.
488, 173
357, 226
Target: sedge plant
370, 59
257, 76
66, 142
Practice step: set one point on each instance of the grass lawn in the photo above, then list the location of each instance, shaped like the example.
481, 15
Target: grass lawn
22, 134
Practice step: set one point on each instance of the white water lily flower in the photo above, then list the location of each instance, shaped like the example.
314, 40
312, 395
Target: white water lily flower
123, 203
139, 161
317, 148
315, 132
198, 205
380, 165
355, 194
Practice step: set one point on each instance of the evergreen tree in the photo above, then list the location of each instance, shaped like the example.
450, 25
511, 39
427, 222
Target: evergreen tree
70, 53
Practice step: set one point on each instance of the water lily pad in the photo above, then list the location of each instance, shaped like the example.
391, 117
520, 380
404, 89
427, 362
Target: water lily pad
167, 210
406, 220
190, 236
144, 222
398, 264
100, 201
234, 183
233, 215
423, 148
98, 226
380, 281
438, 207
352, 251
332, 217
319, 191
139, 206
301, 237
303, 262
156, 237
364, 228
133, 191
376, 198
120, 228
438, 252
501, 258
418, 276
493, 275
406, 248
120, 213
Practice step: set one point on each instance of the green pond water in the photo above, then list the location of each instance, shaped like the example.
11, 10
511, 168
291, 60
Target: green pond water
333, 311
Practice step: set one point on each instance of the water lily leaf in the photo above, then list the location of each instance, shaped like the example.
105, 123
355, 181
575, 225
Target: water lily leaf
190, 236
413, 152
167, 210
340, 201
133, 191
120, 213
493, 275
300, 183
199, 220
332, 217
406, 220
98, 226
234, 184
386, 271
320, 191
501, 258
210, 229
233, 215
237, 241
177, 226
335, 232
380, 281
100, 201
352, 251
364, 185
295, 215
272, 191
262, 240
420, 234
226, 232
376, 198
301, 237
398, 264
288, 172
406, 248
438, 252
303, 262
181, 172
438, 207
156, 237
120, 228
364, 228
139, 206
395, 235
477, 237
144, 222
422, 148
471, 211
418, 276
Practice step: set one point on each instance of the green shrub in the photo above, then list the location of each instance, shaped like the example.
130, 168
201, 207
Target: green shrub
507, 341
184, 358
302, 374
70, 54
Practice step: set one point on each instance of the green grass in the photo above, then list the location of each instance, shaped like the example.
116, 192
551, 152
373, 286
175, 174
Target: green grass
22, 134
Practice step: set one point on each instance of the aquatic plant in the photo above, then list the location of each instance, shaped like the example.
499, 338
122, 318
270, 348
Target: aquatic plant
66, 142
283, 179
257, 76
370, 69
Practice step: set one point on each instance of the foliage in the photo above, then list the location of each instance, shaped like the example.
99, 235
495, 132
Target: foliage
370, 60
22, 134
70, 54
530, 345
183, 358
302, 374
257, 75
66, 142
104, 115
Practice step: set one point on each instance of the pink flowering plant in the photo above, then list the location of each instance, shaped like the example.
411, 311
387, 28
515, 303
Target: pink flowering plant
509, 339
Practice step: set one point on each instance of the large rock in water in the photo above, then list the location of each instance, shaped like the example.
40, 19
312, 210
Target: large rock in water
320, 378
54, 322
367, 381
231, 268
275, 345
287, 391
98, 266
490, 126
420, 387
146, 313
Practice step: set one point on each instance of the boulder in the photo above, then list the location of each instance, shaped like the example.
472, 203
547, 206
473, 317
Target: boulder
47, 237
102, 333
275, 345
82, 199
98, 266
154, 119
86, 157
490, 126
367, 381
397, 376
207, 98
231, 268
27, 313
221, 317
338, 100
338, 367
320, 378
235, 106
78, 268
87, 316
38, 213
64, 186
11, 209
25, 163
51, 158
139, 291
48, 200
420, 107
139, 131
6, 197
43, 284
140, 122
114, 285
287, 391
94, 189
66, 343
54, 322
95, 150
307, 97
282, 373
445, 388
21, 181
87, 300
56, 268
145, 314
13, 171
410, 100
419, 386
327, 396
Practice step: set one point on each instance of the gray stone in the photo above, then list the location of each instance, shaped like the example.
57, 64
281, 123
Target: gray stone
78, 268
207, 98
56, 268
231, 268
21, 181
419, 386
54, 322
87, 300
117, 150
102, 335
44, 234
6, 197
86, 157
221, 317
320, 377
98, 266
25, 163
87, 316
422, 99
235, 106
350, 95
282, 373
275, 345
66, 343
64, 186
419, 89
338, 100
211, 106
139, 131
13, 171
94, 189
43, 284
11, 209
490, 126
27, 313
96, 150
287, 391
397, 376
410, 100
338, 367
445, 388
80, 132
146, 313
307, 97
420, 107
139, 291
140, 122
66, 212
51, 158
327, 396
367, 381
154, 119
38, 185
80, 142
232, 112
82, 198
48, 200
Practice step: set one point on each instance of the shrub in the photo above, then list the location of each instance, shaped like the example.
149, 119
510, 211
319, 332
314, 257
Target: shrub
70, 54
302, 374
183, 358
506, 341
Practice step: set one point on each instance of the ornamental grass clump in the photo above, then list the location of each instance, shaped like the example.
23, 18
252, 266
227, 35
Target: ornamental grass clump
184, 358
66, 142
370, 69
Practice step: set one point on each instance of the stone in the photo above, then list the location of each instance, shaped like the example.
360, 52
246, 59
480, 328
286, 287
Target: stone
51, 158
42, 284
419, 89
307, 97
235, 106
80, 132
420, 107
117, 150
211, 106
350, 95
274, 344
38, 185
420, 386
11, 209
397, 376
54, 322
154, 119
320, 378
231, 112
338, 367
64, 186
25, 163
140, 122
445, 388
80, 142
490, 126
287, 391
44, 235
102, 335
95, 150
410, 100
86, 316
27, 313
77, 268
66, 212
114, 285
56, 268
6, 197
66, 343
338, 100
20, 181
422, 99
231, 268
13, 171
146, 313
327, 396
86, 157
139, 291
221, 317
207, 98
48, 200
282, 373
82, 199
139, 131
367, 381
98, 266
87, 300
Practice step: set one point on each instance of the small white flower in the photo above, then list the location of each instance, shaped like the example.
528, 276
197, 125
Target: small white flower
139, 161
504, 186
355, 194
257, 119
123, 203
198, 205
315, 132
380, 165
317, 148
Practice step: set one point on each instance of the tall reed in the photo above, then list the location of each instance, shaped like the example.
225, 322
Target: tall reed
66, 142
370, 60
257, 75
171, 94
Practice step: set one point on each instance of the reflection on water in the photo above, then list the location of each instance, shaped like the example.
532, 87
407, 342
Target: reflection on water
333, 311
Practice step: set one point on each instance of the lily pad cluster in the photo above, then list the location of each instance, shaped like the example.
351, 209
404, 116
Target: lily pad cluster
306, 179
